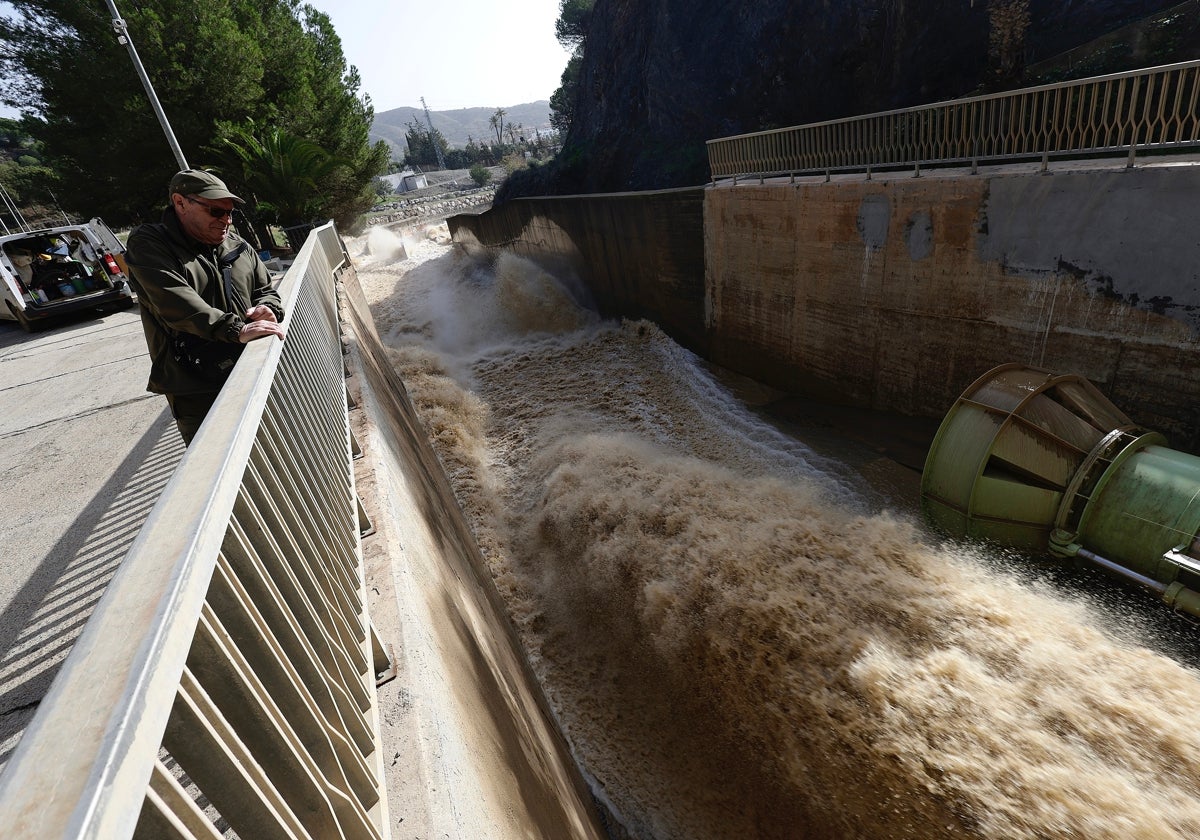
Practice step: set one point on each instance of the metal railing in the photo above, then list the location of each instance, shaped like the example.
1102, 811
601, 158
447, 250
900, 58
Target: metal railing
226, 678
1156, 109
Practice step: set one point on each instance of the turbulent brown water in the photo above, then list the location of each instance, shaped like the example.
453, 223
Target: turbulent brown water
737, 643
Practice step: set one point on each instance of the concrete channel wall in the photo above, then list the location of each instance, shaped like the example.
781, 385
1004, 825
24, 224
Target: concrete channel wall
476, 751
638, 255
897, 292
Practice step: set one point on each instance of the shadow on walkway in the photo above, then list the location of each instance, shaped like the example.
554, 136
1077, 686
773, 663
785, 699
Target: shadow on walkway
40, 625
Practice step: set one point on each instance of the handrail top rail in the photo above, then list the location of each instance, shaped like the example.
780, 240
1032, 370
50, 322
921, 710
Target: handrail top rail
967, 100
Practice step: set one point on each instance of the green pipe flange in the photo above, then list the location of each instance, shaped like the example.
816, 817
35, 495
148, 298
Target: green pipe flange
1097, 456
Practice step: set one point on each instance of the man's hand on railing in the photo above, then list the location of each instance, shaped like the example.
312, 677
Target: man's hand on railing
261, 313
261, 323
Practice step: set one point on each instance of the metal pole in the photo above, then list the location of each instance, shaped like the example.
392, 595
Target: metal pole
1129, 574
122, 31
437, 150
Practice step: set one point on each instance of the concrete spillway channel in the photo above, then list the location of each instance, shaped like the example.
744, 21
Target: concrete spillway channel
622, 603
736, 632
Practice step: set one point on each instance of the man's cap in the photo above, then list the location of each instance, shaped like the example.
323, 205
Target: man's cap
197, 182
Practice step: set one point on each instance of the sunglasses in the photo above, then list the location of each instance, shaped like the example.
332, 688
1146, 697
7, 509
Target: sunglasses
215, 212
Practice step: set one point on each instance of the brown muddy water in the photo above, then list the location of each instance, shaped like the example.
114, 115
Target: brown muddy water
739, 624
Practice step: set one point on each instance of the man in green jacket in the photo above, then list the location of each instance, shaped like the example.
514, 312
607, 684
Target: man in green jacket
203, 292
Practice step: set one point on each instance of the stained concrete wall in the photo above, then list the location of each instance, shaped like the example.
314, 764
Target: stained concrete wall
896, 293
638, 255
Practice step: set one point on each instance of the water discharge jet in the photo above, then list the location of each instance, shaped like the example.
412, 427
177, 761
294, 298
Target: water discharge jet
385, 246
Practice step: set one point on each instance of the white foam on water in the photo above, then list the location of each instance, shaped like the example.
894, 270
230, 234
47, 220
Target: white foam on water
384, 246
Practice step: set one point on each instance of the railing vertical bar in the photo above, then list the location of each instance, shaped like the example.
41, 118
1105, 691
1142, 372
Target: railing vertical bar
251, 569
268, 737
1192, 108
293, 429
208, 749
340, 764
326, 629
278, 495
170, 813
318, 419
289, 431
339, 616
317, 521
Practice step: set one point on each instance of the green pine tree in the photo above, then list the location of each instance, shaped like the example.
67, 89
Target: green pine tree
215, 66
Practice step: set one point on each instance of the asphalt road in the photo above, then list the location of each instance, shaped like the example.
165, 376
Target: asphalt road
84, 453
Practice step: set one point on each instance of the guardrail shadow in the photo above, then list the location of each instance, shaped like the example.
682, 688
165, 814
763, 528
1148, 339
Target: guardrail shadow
47, 614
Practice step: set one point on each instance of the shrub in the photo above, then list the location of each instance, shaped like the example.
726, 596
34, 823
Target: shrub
513, 161
480, 174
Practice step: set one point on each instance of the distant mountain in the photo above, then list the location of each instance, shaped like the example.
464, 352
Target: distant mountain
458, 126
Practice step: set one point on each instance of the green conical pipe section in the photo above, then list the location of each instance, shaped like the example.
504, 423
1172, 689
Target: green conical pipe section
1044, 462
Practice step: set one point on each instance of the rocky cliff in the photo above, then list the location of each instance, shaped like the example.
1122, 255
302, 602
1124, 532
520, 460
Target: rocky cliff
660, 77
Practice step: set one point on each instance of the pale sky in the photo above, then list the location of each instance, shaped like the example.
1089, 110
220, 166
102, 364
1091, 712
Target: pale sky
460, 54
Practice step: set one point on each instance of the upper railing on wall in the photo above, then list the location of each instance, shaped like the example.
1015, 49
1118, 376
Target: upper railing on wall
1156, 109
230, 662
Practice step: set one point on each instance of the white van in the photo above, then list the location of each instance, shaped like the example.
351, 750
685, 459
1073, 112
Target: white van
55, 270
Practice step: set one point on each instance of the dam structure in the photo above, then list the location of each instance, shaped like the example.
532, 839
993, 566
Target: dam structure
497, 545
1017, 227
805, 664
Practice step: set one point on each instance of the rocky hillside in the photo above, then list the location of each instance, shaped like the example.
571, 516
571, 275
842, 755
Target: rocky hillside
662, 76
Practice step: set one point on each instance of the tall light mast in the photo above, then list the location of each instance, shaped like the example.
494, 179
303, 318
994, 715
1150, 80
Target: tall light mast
122, 32
437, 147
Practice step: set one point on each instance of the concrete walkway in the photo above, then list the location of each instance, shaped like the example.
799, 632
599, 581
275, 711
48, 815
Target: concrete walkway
84, 452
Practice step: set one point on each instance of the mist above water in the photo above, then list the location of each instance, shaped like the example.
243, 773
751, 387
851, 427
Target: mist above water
384, 245
735, 642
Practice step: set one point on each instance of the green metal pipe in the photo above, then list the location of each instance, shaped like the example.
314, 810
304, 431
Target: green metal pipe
1143, 506
1044, 462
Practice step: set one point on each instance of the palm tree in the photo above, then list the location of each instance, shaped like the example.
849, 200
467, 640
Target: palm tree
497, 121
282, 171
